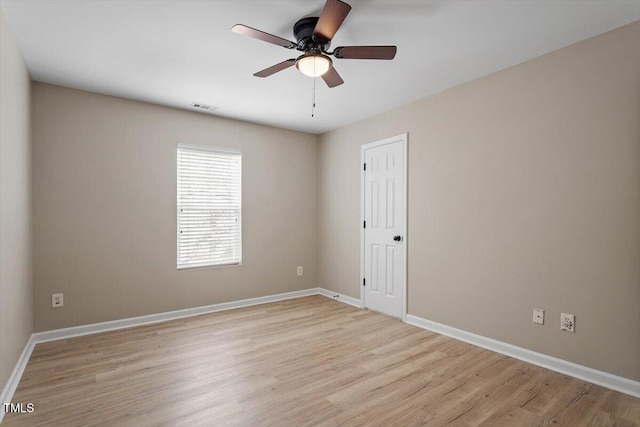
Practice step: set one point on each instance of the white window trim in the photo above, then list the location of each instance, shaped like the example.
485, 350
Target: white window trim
215, 150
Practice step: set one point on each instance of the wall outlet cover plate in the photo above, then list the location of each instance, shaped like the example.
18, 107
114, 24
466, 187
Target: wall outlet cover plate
567, 322
57, 300
538, 316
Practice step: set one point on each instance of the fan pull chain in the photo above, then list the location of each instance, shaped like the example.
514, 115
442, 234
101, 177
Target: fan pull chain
313, 91
313, 98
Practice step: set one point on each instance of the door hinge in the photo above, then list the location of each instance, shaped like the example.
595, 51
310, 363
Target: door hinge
364, 282
364, 225
365, 166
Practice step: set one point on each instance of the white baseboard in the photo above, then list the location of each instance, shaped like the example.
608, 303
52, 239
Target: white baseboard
614, 382
75, 331
340, 297
604, 379
14, 378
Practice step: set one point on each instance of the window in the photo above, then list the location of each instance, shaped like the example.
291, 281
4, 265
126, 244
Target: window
209, 206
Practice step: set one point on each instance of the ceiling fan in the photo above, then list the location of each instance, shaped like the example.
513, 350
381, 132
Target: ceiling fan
313, 35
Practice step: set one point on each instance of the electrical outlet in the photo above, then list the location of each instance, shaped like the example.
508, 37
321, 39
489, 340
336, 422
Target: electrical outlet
567, 322
299, 271
57, 300
538, 316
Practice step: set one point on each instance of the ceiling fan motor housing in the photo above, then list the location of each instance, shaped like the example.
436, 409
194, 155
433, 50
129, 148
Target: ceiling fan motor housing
303, 32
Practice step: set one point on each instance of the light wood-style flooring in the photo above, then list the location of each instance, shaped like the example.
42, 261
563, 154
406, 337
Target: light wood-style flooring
307, 361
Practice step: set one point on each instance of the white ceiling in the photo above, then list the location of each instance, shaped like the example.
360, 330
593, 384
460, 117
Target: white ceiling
177, 52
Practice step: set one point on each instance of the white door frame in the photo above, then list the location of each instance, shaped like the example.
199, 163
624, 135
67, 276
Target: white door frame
404, 137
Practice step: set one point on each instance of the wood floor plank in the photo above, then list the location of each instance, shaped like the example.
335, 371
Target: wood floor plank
303, 362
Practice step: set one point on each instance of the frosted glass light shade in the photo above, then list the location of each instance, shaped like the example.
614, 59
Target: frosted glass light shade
313, 65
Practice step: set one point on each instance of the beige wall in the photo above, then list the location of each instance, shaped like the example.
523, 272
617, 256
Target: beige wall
15, 204
524, 191
104, 182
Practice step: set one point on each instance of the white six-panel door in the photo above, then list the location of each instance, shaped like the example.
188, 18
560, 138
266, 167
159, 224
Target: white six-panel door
384, 225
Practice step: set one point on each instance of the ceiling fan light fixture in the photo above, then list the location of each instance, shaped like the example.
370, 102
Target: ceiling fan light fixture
313, 64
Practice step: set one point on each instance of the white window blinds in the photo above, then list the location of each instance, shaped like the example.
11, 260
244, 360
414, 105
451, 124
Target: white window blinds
209, 206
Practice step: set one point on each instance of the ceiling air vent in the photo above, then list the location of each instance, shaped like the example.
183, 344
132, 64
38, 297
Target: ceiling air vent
204, 108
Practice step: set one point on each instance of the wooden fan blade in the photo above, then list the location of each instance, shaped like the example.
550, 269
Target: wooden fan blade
275, 68
332, 78
365, 52
331, 18
243, 30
